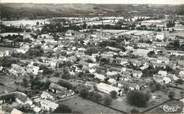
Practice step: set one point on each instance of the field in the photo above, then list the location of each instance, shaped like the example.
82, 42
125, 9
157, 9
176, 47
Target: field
23, 22
7, 83
122, 104
3, 49
178, 33
87, 107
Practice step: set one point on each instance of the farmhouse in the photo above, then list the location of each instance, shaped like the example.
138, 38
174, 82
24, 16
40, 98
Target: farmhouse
105, 88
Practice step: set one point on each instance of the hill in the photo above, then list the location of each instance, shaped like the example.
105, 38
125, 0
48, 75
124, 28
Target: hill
32, 11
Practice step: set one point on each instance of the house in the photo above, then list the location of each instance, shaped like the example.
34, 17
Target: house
46, 95
81, 49
180, 62
108, 54
137, 74
32, 69
113, 49
56, 88
143, 45
46, 105
21, 50
174, 77
15, 111
91, 85
105, 88
163, 60
100, 77
182, 100
162, 73
181, 74
160, 36
36, 109
112, 73
92, 70
124, 62
22, 98
133, 86
69, 33
123, 53
93, 65
17, 70
112, 81
46, 36
144, 66
1, 68
161, 79
141, 52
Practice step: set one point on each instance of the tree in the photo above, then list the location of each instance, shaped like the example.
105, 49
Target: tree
37, 84
179, 81
95, 96
91, 50
113, 94
62, 109
155, 86
134, 111
25, 82
66, 84
107, 100
137, 98
152, 54
84, 93
25, 109
36, 51
173, 45
171, 95
65, 74
7, 61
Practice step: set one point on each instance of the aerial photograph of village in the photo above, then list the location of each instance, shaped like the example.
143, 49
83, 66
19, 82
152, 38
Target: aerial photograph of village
91, 58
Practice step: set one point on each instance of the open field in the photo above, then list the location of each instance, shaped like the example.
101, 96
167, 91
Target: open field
6, 83
122, 104
87, 107
3, 49
23, 22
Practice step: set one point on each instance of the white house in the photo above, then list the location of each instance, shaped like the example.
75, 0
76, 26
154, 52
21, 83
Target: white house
181, 74
46, 95
112, 81
106, 88
162, 80
137, 74
162, 73
160, 36
112, 73
46, 104
100, 77
15, 111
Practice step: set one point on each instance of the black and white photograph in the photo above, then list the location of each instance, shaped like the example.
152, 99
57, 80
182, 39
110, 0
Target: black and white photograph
91, 56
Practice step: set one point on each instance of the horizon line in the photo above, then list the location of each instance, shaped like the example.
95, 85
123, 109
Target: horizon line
136, 2
91, 3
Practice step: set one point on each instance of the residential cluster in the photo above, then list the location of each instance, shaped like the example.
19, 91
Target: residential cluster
138, 66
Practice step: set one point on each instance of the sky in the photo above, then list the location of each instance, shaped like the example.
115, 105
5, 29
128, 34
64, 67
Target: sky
98, 1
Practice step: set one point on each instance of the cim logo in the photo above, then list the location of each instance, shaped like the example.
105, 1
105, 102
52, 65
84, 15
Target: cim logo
168, 108
172, 107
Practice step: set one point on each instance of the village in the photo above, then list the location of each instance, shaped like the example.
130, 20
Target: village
102, 64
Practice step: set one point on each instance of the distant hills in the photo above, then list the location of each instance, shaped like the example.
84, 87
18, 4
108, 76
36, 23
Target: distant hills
32, 11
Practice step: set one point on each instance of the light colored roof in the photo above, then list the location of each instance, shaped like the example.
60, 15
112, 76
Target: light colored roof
106, 88
99, 76
15, 111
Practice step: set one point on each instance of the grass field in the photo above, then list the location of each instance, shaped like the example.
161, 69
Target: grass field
6, 83
3, 49
87, 107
